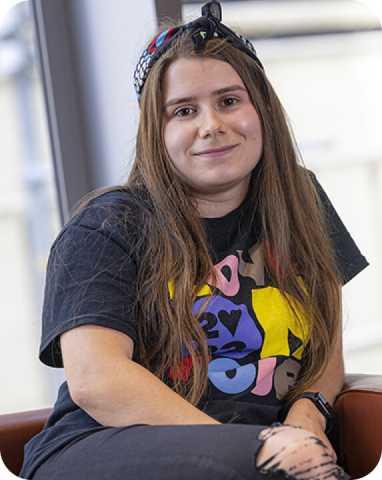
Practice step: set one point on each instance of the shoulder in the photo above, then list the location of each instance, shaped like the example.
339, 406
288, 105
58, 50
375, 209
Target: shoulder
311, 178
308, 175
114, 214
349, 258
120, 201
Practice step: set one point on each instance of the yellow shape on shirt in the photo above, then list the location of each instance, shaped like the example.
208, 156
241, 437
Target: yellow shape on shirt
276, 317
204, 290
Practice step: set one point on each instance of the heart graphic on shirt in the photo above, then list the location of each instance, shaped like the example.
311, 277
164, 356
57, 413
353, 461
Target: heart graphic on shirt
230, 320
228, 325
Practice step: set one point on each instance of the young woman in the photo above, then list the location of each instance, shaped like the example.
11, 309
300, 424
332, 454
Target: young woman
197, 309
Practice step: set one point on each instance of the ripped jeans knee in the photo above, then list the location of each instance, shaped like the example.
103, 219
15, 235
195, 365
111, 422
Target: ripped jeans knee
292, 453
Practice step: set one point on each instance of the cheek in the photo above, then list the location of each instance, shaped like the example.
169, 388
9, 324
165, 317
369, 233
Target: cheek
175, 140
251, 128
178, 142
168, 139
247, 123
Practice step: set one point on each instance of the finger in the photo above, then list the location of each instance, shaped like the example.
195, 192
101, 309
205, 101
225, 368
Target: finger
328, 446
331, 450
333, 454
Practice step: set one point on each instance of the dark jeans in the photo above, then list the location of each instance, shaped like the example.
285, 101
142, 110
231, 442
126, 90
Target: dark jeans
181, 452
187, 452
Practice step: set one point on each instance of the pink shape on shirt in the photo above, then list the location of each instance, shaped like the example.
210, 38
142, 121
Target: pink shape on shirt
265, 376
228, 287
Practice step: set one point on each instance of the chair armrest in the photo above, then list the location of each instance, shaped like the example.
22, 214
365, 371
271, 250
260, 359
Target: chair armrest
359, 413
16, 429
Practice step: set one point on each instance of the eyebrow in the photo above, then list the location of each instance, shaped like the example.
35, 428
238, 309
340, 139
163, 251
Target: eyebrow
220, 91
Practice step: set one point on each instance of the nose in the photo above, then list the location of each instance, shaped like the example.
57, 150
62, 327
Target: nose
211, 123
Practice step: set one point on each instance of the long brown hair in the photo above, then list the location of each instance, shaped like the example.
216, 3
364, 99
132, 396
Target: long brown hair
292, 227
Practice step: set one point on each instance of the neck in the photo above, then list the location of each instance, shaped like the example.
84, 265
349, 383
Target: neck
219, 204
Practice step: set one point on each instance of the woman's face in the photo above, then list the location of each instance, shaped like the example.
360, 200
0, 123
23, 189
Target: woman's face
212, 131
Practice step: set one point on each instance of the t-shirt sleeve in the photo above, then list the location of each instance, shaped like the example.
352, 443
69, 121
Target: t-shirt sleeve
90, 279
350, 260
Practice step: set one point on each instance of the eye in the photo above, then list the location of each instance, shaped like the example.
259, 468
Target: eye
183, 111
230, 101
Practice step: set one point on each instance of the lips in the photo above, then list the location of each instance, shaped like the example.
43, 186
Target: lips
218, 150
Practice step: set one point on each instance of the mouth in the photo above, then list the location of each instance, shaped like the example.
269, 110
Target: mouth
217, 151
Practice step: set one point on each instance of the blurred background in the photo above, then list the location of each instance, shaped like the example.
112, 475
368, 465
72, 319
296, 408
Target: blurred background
68, 118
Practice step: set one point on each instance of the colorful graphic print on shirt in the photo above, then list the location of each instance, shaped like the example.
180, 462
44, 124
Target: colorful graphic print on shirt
254, 337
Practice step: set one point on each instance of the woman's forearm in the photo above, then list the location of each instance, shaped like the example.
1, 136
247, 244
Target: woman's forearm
330, 383
128, 394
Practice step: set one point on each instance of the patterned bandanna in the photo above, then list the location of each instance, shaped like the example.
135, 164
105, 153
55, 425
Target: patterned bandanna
202, 29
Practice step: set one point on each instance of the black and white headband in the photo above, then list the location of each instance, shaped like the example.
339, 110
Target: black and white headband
202, 29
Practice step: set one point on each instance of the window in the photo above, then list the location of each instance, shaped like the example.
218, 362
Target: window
28, 213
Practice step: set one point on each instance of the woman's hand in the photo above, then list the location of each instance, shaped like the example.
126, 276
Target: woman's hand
304, 414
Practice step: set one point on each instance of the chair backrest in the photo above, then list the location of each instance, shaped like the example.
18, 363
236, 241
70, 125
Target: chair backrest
15, 431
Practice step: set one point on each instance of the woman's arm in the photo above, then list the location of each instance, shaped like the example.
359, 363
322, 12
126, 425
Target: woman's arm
114, 390
303, 412
330, 382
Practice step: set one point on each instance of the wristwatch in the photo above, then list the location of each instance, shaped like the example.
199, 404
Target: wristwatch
322, 405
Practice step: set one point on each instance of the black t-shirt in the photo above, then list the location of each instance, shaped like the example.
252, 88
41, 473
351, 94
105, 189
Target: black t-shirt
255, 342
